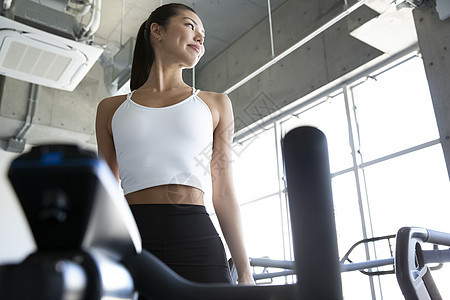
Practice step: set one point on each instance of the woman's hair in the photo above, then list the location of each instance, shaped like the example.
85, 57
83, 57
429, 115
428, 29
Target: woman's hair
143, 52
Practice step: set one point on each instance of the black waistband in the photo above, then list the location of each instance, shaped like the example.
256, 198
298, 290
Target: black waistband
172, 222
162, 209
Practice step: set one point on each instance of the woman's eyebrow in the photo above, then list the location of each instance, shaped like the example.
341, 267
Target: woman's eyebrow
195, 23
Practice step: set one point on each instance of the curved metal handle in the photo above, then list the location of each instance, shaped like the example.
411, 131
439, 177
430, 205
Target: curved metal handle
413, 275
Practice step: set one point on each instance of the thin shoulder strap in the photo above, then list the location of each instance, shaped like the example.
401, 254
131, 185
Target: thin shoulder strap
195, 91
129, 95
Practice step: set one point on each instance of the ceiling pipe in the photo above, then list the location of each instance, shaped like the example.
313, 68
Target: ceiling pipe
269, 11
94, 22
80, 12
96, 11
297, 45
7, 4
17, 143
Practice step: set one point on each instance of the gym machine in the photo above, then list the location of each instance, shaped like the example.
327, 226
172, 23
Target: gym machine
411, 264
88, 245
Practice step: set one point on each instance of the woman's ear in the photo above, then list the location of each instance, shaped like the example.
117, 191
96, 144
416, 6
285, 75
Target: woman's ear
156, 31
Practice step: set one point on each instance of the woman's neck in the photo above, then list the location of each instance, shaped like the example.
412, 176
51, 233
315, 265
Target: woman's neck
164, 78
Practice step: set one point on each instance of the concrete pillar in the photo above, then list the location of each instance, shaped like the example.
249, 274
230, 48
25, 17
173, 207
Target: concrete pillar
434, 42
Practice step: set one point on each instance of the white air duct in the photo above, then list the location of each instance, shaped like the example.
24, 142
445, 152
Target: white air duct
38, 57
94, 23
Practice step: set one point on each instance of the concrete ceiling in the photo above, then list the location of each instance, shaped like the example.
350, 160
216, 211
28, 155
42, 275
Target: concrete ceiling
224, 21
70, 116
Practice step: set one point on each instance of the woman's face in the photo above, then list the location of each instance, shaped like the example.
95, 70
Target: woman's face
183, 39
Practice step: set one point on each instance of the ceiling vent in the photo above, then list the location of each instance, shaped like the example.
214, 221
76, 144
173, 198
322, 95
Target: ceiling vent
38, 57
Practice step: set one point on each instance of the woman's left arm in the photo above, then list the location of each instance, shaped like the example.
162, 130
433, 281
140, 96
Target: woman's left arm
224, 198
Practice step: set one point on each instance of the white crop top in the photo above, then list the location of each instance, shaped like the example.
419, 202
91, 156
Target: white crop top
167, 145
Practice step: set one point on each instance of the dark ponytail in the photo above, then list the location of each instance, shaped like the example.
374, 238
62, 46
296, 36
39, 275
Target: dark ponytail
144, 55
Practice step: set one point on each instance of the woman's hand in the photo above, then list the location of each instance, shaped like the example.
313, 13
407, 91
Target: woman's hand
246, 279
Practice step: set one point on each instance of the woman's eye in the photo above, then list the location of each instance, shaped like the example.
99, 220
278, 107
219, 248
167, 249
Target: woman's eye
191, 25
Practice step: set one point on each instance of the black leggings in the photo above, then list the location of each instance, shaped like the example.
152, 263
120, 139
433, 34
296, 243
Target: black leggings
185, 239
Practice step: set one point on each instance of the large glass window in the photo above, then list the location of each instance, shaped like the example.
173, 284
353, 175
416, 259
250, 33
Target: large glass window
261, 221
410, 190
394, 113
256, 180
387, 169
257, 188
255, 167
329, 116
405, 175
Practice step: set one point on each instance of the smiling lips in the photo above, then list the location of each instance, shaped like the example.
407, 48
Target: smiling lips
196, 48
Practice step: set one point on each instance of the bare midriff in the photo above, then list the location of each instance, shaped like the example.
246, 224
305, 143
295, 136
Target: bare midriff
167, 194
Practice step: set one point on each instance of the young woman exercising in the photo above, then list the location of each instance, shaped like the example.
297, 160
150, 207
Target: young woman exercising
169, 144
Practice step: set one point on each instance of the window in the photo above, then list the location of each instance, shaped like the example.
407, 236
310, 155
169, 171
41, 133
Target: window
257, 185
329, 116
387, 169
255, 167
394, 113
402, 160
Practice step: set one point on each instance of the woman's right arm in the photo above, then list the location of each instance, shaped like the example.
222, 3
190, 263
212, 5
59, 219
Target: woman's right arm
105, 142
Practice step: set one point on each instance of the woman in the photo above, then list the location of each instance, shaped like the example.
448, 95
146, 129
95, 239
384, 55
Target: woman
167, 143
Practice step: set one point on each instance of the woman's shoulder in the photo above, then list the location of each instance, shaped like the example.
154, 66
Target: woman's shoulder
113, 100
110, 104
214, 98
219, 104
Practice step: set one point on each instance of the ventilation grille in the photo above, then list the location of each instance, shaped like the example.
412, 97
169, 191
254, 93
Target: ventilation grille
30, 55
37, 62
31, 60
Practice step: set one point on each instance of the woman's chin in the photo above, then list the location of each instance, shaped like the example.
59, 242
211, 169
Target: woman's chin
191, 65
